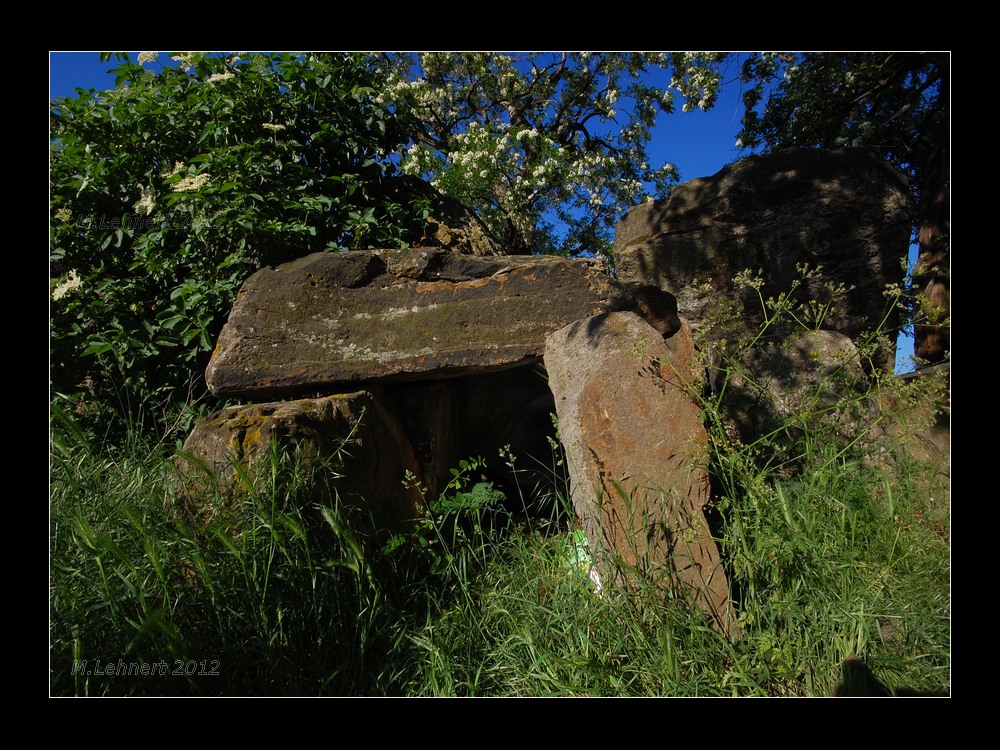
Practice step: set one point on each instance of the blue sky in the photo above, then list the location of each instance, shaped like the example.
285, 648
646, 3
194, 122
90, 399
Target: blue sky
698, 143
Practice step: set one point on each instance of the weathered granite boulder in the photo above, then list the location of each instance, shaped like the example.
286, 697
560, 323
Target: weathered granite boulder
847, 212
351, 445
914, 426
794, 383
330, 321
637, 454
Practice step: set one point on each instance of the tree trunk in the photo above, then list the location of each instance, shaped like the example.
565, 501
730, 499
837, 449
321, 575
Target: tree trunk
931, 275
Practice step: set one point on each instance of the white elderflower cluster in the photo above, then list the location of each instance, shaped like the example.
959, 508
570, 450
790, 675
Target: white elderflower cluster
147, 57
64, 215
420, 159
479, 148
272, 126
171, 171
697, 80
72, 283
610, 97
215, 77
145, 205
592, 163
187, 60
631, 187
192, 184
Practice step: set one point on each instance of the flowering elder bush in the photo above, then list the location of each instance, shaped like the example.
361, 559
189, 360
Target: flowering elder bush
549, 148
170, 189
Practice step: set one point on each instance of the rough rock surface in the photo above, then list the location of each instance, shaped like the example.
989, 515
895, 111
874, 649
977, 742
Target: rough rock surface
919, 426
637, 454
357, 433
795, 381
449, 223
332, 320
845, 211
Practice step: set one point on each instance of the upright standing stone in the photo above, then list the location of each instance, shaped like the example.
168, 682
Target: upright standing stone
637, 454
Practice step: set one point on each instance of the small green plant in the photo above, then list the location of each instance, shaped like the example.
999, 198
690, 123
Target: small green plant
456, 526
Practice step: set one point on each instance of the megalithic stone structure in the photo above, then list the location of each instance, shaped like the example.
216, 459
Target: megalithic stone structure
637, 454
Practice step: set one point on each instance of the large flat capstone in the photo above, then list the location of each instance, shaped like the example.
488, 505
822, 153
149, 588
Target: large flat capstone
330, 320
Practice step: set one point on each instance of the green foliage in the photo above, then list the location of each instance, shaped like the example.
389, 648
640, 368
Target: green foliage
894, 103
456, 525
549, 148
170, 189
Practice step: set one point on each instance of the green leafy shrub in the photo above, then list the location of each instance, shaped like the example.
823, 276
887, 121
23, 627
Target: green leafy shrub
169, 190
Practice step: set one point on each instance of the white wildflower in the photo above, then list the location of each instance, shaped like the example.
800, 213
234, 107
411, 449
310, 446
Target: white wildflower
272, 126
171, 171
220, 77
192, 184
145, 204
186, 60
147, 57
64, 215
72, 282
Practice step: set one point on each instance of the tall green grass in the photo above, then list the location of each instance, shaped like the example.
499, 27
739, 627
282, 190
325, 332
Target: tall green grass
276, 597
834, 546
